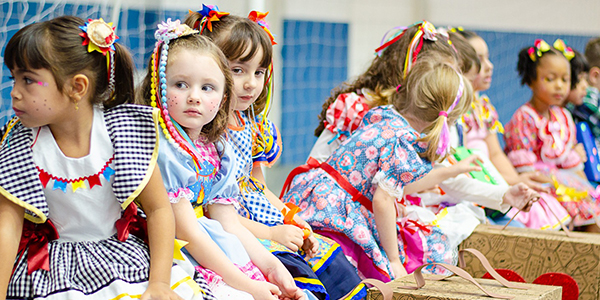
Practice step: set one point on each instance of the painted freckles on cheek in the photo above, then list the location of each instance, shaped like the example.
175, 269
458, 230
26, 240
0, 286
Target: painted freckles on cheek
42, 83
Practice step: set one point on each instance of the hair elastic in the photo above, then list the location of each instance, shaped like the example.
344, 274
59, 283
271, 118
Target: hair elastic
398, 88
100, 36
444, 140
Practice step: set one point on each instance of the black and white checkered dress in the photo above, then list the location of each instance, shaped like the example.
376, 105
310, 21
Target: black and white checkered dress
90, 268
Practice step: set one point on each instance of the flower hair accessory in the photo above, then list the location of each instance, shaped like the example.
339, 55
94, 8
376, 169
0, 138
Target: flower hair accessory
259, 18
444, 141
100, 36
210, 13
426, 31
539, 47
561, 46
166, 32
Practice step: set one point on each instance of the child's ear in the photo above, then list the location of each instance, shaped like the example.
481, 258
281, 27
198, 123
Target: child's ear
594, 77
78, 87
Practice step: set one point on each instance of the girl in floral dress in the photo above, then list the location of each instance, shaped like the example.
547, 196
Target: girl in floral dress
353, 192
540, 136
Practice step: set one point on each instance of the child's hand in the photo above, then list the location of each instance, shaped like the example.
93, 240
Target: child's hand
580, 150
288, 235
310, 246
466, 165
536, 181
264, 290
282, 278
398, 269
520, 196
159, 290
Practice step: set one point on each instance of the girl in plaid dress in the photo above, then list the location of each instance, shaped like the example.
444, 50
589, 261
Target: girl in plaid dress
69, 227
246, 42
194, 96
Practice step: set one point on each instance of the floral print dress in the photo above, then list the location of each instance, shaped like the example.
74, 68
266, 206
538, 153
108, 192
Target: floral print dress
383, 152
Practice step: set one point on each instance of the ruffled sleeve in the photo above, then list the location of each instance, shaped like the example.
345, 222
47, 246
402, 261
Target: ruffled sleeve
225, 189
266, 146
177, 172
399, 164
521, 138
482, 114
345, 114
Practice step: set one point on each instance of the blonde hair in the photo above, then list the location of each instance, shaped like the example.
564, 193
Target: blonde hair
432, 87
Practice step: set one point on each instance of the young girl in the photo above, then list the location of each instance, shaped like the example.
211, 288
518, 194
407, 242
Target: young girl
353, 192
68, 168
481, 125
247, 44
343, 111
541, 134
195, 162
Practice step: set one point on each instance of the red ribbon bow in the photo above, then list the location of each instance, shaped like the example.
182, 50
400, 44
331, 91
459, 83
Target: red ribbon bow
131, 222
35, 238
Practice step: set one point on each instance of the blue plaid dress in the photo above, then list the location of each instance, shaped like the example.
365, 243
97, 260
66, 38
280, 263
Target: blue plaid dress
94, 264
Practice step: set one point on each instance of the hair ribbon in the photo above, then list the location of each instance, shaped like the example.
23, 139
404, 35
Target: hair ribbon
210, 13
561, 46
259, 18
539, 47
100, 36
444, 141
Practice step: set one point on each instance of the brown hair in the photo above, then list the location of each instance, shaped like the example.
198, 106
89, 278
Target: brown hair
467, 57
214, 130
592, 52
386, 70
235, 36
432, 87
55, 45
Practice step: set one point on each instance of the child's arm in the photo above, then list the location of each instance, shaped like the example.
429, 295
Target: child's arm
161, 234
271, 267
440, 174
11, 227
208, 254
506, 169
385, 219
282, 233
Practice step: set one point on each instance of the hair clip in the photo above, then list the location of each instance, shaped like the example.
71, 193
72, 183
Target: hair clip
210, 13
561, 46
444, 140
456, 29
539, 47
170, 30
259, 18
100, 36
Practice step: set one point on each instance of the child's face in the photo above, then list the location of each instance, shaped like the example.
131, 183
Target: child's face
195, 88
472, 75
36, 99
576, 95
484, 80
248, 80
553, 81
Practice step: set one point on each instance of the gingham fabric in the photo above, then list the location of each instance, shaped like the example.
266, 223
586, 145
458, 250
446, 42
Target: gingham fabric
255, 204
88, 267
132, 131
